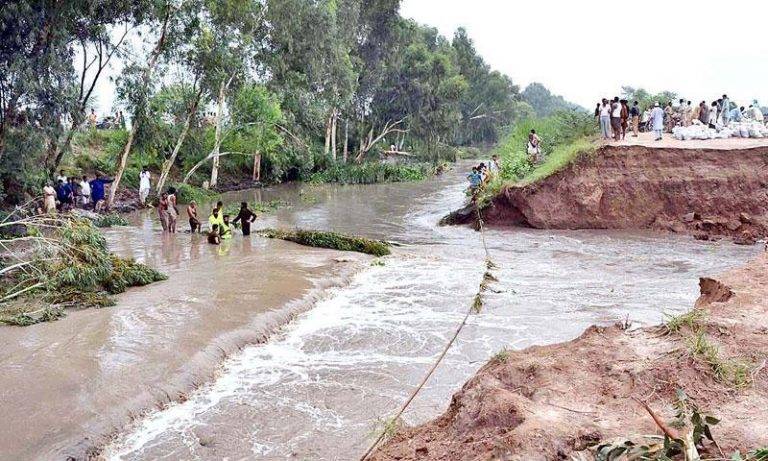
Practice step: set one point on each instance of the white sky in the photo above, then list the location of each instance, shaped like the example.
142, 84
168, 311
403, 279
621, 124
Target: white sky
586, 49
700, 49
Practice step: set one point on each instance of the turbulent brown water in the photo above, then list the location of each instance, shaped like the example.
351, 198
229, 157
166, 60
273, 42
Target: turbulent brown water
316, 389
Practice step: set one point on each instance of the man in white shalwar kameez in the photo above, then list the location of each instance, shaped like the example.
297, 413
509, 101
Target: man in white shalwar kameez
657, 118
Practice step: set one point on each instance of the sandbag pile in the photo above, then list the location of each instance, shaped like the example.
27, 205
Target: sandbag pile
750, 129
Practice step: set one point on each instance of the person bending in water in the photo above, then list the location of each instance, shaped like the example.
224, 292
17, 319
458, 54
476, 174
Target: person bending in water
194, 221
246, 216
226, 228
213, 236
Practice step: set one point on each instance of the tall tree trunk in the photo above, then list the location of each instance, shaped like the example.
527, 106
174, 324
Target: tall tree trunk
334, 119
327, 149
346, 140
168, 163
135, 123
217, 138
257, 166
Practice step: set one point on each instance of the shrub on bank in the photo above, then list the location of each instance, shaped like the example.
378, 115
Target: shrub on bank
564, 136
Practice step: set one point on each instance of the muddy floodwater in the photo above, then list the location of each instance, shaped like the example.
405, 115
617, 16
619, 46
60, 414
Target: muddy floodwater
270, 350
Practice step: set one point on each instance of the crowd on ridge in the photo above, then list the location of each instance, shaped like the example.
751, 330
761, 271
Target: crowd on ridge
616, 116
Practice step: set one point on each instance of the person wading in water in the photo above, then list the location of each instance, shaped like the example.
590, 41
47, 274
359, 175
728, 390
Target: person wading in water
246, 217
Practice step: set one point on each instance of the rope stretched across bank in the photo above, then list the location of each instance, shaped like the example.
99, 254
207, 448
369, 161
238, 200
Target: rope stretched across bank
474, 307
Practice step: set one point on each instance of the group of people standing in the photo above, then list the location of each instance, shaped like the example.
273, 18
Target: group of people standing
219, 222
616, 115
68, 193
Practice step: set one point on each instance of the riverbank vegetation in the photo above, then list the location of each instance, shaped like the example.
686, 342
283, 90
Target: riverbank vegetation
370, 173
331, 240
564, 137
51, 264
212, 92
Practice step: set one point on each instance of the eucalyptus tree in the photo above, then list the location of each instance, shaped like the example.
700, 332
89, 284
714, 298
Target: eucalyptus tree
40, 88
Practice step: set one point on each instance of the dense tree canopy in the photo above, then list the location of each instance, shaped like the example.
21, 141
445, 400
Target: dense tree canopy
296, 85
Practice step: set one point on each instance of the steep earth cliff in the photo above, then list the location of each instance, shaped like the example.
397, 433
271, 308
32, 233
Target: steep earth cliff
705, 192
558, 401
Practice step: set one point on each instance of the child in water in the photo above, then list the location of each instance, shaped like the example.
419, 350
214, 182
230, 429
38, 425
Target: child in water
213, 236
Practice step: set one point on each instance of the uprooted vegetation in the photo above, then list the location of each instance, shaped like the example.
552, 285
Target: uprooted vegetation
331, 240
60, 263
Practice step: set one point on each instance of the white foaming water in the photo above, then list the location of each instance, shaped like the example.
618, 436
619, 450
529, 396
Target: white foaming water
315, 390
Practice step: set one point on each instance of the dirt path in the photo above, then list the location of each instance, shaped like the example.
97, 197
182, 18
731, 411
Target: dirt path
647, 140
545, 403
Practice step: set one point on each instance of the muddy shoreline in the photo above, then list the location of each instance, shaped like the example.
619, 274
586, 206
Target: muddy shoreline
707, 193
552, 402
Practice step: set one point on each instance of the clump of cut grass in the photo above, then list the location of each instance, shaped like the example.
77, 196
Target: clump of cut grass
372, 173
70, 267
331, 240
110, 220
387, 428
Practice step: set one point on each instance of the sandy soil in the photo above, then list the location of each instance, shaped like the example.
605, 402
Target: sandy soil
551, 402
647, 140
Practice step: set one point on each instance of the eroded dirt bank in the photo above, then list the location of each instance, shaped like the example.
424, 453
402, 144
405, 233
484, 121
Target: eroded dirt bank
705, 192
547, 403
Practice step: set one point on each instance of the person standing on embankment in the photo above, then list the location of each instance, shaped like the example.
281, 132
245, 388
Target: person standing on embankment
657, 119
616, 119
605, 119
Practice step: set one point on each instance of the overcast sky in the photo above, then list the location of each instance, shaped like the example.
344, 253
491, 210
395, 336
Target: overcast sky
585, 49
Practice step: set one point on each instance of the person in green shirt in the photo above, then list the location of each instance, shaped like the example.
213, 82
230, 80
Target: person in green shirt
216, 216
225, 228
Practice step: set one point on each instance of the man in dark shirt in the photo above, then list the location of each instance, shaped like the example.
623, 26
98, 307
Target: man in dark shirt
634, 114
246, 217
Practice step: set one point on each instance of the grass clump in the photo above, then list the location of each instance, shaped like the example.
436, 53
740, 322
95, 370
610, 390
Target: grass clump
331, 240
110, 220
372, 173
692, 320
502, 356
70, 267
692, 327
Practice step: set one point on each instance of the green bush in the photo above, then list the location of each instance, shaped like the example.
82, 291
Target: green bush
330, 240
371, 173
563, 136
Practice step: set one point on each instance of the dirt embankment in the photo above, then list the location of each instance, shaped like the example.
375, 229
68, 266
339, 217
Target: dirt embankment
551, 402
709, 193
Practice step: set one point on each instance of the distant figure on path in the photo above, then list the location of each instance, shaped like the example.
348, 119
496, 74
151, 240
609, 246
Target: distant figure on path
703, 113
624, 118
494, 166
616, 118
669, 117
657, 118
634, 118
475, 179
144, 186
246, 217
92, 119
726, 107
62, 177
687, 114
714, 115
605, 119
